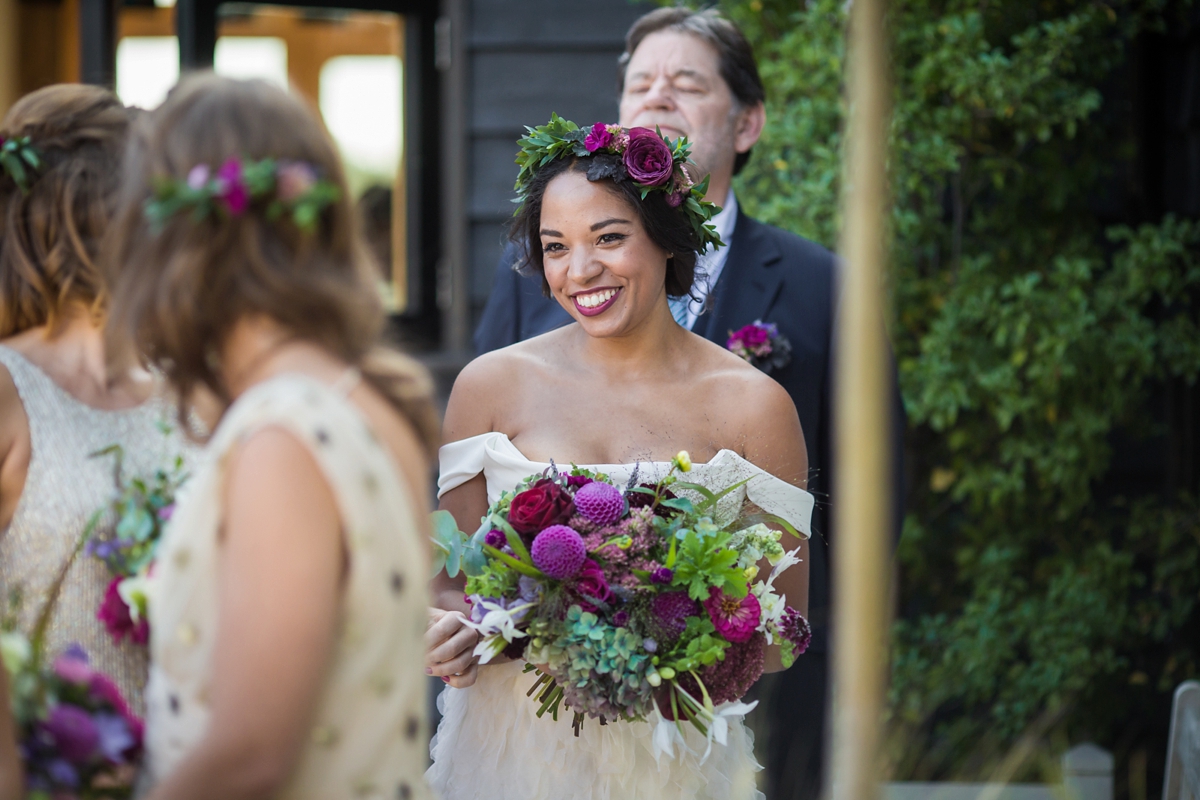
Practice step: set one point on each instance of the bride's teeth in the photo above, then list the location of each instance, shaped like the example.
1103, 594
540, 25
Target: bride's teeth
596, 299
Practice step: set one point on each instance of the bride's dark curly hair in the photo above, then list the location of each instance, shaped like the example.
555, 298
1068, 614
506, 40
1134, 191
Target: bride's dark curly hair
667, 227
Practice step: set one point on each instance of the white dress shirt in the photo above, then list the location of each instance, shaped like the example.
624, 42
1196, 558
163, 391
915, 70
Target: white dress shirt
708, 266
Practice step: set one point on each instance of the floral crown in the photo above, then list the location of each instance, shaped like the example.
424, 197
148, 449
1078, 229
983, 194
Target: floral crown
290, 187
20, 161
653, 162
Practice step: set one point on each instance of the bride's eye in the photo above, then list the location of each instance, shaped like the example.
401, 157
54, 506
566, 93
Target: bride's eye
553, 247
610, 238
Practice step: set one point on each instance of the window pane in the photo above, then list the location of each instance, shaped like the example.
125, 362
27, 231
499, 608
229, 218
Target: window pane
147, 67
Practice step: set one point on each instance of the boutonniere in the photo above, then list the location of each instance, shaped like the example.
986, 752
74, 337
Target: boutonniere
761, 345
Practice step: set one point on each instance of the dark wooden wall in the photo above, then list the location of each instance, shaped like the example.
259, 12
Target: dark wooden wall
526, 60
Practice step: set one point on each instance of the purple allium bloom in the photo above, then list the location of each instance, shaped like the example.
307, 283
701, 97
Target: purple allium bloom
599, 138
670, 611
662, 575
732, 676
795, 629
602, 503
234, 193
558, 551
495, 538
621, 618
75, 735
647, 159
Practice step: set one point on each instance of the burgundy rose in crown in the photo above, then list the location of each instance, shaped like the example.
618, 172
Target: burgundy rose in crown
648, 160
761, 345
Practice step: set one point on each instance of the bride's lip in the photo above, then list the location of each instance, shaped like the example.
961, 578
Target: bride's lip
591, 311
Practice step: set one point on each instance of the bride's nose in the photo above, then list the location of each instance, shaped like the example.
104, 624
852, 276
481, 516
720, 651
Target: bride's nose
584, 266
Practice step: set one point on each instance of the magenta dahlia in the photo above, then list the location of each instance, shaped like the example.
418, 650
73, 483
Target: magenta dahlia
559, 552
600, 502
735, 618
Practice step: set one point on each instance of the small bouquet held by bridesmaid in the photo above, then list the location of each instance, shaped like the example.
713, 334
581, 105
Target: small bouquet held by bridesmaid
635, 603
78, 736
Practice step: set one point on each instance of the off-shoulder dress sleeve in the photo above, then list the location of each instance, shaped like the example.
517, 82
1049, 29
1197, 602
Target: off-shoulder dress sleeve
461, 461
773, 495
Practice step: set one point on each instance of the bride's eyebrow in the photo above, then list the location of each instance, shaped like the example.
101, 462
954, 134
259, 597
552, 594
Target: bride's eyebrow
608, 222
548, 232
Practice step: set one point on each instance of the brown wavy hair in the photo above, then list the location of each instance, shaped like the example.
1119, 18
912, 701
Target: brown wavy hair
178, 291
50, 237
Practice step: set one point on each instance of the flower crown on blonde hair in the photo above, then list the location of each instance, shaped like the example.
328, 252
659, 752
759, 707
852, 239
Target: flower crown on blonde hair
20, 160
287, 187
653, 162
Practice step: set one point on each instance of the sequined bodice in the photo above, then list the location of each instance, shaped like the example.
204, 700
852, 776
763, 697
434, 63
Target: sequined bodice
64, 487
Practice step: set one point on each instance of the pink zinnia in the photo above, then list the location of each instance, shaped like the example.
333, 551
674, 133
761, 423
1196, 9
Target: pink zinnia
735, 618
234, 193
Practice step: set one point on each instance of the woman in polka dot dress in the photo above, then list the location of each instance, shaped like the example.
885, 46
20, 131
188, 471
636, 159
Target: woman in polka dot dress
288, 602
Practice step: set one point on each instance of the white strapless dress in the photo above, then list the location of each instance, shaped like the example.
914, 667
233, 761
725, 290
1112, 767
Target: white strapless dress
491, 745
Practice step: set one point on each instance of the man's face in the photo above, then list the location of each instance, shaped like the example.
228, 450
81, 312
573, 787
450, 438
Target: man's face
673, 81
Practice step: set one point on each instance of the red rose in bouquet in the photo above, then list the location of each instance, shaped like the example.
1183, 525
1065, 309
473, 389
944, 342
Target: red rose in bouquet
540, 506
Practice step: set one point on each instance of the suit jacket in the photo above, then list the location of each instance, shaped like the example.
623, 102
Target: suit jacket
770, 275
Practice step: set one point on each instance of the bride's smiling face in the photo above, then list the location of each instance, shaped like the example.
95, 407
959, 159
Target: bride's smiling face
599, 262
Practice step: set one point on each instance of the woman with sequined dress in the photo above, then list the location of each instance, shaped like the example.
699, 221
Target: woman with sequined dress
61, 397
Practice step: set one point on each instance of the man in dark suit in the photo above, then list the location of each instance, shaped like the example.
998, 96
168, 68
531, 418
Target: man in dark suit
693, 74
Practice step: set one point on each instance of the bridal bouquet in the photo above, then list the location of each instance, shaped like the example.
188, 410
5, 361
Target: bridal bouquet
142, 507
635, 602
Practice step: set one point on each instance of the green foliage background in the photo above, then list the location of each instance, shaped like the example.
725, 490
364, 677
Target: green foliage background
1036, 609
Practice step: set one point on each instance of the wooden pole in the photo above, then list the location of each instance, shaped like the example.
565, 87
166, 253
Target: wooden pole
862, 493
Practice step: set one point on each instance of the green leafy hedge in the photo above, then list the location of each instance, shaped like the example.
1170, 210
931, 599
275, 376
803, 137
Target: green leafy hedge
1035, 608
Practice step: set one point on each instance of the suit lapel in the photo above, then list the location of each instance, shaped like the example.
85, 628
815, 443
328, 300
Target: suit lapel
748, 283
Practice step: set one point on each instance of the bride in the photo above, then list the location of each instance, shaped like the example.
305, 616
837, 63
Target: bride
612, 233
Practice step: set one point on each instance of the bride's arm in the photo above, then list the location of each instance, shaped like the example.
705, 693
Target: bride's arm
450, 645
774, 441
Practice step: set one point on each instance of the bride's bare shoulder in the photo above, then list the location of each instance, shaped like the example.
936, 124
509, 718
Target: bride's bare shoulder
492, 383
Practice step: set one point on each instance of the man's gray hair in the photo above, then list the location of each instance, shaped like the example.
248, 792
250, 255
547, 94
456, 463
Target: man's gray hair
736, 58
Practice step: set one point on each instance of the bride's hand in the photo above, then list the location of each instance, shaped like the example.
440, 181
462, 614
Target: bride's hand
450, 649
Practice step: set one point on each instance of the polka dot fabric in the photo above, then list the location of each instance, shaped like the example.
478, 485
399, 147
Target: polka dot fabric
369, 736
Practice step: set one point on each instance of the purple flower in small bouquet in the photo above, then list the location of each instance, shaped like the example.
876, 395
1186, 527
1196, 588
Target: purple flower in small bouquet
117, 616
761, 345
